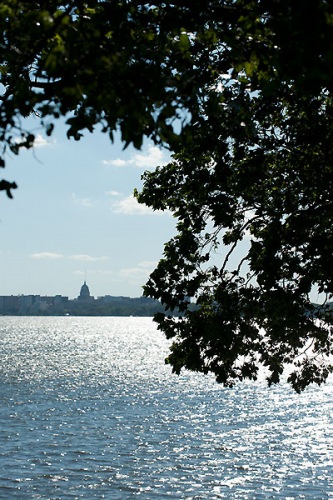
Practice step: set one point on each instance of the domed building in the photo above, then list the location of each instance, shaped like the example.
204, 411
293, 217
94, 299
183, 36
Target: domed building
85, 293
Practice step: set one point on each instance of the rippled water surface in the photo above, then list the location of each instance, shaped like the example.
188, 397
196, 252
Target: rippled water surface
90, 410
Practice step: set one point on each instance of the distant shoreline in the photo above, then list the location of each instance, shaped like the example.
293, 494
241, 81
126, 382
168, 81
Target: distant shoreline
58, 305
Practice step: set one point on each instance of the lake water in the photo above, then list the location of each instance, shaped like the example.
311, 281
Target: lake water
90, 410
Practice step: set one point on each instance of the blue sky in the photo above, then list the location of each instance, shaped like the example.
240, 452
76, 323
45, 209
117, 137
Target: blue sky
74, 216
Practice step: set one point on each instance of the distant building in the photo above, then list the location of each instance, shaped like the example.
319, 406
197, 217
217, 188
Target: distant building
32, 304
9, 304
85, 293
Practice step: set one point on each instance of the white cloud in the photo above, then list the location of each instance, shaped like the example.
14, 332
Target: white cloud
46, 255
41, 142
152, 158
112, 193
83, 202
130, 206
115, 163
86, 258
79, 273
139, 273
79, 257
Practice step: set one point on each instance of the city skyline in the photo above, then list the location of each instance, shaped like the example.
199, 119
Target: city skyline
83, 305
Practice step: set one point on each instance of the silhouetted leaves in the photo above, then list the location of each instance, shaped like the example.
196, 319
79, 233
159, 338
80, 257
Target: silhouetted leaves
7, 186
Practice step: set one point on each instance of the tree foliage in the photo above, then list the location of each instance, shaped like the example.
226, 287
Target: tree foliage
253, 198
241, 92
120, 65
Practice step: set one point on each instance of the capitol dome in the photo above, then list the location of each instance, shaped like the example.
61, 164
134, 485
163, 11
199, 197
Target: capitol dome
84, 292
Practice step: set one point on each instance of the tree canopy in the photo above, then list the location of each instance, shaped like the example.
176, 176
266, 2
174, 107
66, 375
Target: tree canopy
241, 93
121, 65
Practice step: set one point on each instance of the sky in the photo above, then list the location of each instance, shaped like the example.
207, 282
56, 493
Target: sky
74, 218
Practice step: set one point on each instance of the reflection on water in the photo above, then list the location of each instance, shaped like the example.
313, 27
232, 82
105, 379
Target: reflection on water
90, 410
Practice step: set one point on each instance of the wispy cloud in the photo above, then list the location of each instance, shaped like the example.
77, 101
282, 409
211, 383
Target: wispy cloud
153, 157
112, 193
87, 258
130, 206
79, 273
138, 273
78, 257
83, 202
118, 162
46, 255
41, 142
